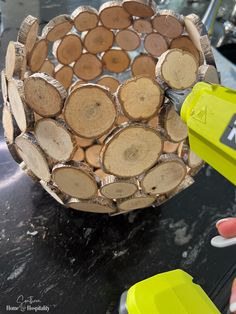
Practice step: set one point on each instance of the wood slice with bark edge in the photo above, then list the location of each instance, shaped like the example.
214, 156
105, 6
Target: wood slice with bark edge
113, 16
140, 8
79, 154
155, 44
28, 32
48, 67
128, 40
15, 60
23, 114
29, 173
168, 23
44, 94
88, 67
54, 192
4, 88
101, 174
170, 147
10, 127
14, 152
154, 122
64, 75
142, 26
57, 28
55, 139
84, 142
144, 65
160, 199
98, 40
75, 179
116, 60
207, 50
38, 55
136, 201
92, 155
140, 98
186, 183
68, 49
130, 150
33, 156
208, 73
164, 177
75, 85
195, 29
114, 188
110, 82
177, 68
85, 18
96, 205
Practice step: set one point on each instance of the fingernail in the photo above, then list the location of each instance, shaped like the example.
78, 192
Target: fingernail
220, 221
227, 227
233, 298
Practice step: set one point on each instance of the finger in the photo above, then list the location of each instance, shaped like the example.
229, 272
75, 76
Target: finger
227, 227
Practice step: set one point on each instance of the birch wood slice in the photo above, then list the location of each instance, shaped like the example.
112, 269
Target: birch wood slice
48, 68
177, 68
68, 49
14, 152
112, 15
116, 60
88, 67
85, 18
4, 86
143, 65
38, 55
57, 28
110, 82
136, 201
28, 32
101, 174
96, 205
114, 188
142, 26
75, 85
84, 142
54, 192
44, 94
170, 147
54, 138
33, 156
140, 8
208, 73
15, 60
164, 177
90, 111
140, 98
11, 130
155, 44
128, 40
207, 50
92, 155
75, 179
131, 150
79, 155
98, 40
195, 29
64, 75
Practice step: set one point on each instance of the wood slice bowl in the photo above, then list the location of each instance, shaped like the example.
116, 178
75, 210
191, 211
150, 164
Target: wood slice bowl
85, 107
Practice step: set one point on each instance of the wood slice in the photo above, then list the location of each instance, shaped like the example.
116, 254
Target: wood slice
164, 177
140, 98
90, 111
207, 50
131, 150
112, 15
177, 68
136, 201
88, 67
128, 40
44, 94
75, 179
22, 113
110, 82
142, 26
140, 8
14, 152
208, 73
48, 68
38, 55
28, 32
195, 29
168, 23
68, 49
155, 44
33, 156
54, 192
75, 85
11, 130
101, 174
154, 122
4, 88
55, 139
57, 28
27, 171
84, 142
114, 188
144, 65
170, 147
116, 60
64, 75
79, 154
85, 18
187, 182
98, 40
96, 205
15, 60
92, 155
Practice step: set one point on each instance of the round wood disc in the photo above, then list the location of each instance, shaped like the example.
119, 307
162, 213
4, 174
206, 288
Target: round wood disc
28, 32
64, 75
98, 40
15, 60
128, 40
177, 68
44, 94
54, 138
11, 130
75, 85
90, 111
136, 201
47, 67
195, 29
27, 171
92, 155
101, 174
140, 8
140, 98
79, 154
168, 24
14, 152
88, 67
207, 50
110, 82
57, 28
84, 142
85, 18
170, 147
75, 179
112, 15
131, 150
164, 177
155, 44
68, 50
96, 205
142, 26
116, 60
143, 65
54, 192
38, 55
33, 156
208, 73
4, 86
